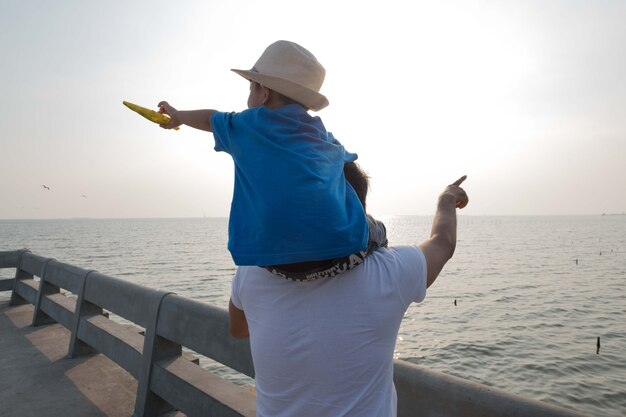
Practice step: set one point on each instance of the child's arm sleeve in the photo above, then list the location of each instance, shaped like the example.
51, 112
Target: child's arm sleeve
222, 127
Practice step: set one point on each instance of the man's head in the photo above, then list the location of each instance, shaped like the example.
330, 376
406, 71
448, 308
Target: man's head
358, 179
291, 71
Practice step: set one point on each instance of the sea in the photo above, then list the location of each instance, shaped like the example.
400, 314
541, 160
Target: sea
520, 306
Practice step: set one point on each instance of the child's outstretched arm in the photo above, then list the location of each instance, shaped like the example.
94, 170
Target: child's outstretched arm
199, 119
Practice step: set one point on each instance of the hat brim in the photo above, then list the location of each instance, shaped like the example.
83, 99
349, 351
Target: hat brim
303, 95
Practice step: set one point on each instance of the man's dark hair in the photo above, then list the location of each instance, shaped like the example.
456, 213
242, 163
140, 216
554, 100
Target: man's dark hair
358, 179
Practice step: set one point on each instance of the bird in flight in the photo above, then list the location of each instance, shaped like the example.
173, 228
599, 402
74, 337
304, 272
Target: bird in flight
45, 186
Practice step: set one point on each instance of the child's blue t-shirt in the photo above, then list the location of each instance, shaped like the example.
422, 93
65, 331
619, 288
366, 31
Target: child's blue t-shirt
291, 202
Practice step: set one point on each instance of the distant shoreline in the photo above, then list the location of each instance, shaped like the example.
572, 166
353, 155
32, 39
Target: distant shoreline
382, 217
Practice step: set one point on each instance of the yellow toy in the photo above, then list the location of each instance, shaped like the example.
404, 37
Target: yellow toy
151, 115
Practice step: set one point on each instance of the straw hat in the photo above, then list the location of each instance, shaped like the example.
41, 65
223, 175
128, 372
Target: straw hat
292, 71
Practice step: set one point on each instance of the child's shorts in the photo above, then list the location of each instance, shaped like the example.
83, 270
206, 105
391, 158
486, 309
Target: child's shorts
334, 267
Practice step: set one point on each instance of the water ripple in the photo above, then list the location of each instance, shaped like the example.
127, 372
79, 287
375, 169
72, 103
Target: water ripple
526, 319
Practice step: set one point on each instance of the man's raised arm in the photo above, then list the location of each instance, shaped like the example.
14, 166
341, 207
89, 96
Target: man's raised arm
439, 248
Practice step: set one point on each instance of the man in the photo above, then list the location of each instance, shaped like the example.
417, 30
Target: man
325, 347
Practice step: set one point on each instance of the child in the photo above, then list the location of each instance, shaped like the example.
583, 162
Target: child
292, 211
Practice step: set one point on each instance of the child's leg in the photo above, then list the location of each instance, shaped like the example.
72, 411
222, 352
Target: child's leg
378, 234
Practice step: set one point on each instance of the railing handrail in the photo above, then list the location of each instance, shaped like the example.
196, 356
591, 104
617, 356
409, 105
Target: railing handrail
166, 381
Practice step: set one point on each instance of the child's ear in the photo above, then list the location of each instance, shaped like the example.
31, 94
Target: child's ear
267, 95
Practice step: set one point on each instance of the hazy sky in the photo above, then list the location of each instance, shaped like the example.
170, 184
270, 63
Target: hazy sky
528, 98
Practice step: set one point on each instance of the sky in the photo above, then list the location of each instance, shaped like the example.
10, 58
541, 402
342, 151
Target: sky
526, 98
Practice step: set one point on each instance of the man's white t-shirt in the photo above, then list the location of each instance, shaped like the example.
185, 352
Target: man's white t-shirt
325, 347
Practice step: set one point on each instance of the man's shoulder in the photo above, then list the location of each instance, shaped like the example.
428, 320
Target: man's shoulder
400, 261
404, 266
399, 253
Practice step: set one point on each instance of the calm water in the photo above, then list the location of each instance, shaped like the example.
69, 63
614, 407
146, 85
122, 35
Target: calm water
526, 317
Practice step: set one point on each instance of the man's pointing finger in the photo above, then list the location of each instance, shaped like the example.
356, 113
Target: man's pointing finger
460, 180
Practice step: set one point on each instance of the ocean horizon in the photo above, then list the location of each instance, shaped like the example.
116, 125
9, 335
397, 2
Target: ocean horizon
384, 216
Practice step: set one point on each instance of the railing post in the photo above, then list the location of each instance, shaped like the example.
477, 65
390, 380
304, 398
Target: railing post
155, 348
6, 284
45, 288
83, 309
19, 274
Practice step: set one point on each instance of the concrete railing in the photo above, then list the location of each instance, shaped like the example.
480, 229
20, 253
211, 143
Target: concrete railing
168, 380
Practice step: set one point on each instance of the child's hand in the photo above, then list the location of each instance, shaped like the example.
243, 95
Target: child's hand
165, 108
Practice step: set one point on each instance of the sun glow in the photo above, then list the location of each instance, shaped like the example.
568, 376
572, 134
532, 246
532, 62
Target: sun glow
423, 91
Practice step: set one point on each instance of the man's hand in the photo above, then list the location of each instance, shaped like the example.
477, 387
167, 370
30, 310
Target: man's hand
165, 108
454, 191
